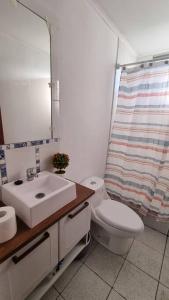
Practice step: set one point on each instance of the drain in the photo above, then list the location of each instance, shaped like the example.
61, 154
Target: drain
39, 195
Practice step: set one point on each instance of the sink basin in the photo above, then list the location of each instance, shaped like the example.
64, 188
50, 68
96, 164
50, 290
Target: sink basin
36, 200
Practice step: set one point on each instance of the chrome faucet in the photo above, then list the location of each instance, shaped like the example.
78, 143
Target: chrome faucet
30, 174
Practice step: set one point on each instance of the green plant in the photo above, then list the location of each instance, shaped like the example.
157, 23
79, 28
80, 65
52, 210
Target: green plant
60, 162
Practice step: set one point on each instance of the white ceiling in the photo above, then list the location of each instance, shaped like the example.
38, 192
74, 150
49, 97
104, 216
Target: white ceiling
144, 23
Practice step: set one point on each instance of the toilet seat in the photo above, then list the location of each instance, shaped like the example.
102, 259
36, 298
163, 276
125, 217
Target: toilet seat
120, 216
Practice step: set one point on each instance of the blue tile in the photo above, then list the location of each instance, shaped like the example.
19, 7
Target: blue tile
28, 143
38, 169
3, 171
35, 143
20, 145
3, 166
37, 149
2, 154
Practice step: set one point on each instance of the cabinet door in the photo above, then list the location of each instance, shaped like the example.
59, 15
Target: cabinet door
73, 227
53, 230
29, 266
4, 287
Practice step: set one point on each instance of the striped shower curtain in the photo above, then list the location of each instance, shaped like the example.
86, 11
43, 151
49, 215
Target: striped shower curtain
137, 168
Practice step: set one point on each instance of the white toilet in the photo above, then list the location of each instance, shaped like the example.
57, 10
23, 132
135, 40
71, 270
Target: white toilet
114, 224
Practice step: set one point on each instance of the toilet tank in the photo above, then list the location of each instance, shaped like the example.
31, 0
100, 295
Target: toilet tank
96, 184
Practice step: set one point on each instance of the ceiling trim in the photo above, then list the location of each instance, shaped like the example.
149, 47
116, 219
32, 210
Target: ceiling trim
111, 25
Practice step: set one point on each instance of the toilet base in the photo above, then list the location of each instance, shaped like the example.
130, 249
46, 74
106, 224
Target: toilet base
118, 245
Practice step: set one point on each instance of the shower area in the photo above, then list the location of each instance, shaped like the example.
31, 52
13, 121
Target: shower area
137, 167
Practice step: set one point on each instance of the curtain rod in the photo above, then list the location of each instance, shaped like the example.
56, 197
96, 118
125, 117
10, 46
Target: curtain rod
143, 62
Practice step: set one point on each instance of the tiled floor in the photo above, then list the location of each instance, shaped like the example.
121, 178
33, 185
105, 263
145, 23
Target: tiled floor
101, 275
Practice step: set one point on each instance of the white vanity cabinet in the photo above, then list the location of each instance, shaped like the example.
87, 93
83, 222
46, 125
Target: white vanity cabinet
4, 283
73, 227
23, 271
29, 266
32, 270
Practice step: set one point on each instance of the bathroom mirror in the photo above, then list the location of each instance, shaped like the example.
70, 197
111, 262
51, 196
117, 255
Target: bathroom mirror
25, 94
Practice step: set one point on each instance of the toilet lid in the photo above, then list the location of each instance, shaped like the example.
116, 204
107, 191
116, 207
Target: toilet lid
119, 216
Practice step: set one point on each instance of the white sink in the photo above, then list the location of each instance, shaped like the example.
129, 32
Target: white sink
36, 200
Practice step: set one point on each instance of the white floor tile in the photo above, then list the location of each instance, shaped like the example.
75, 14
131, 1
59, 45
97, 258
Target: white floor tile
167, 248
115, 296
159, 226
86, 285
133, 284
146, 258
153, 239
67, 275
105, 263
164, 278
163, 293
52, 294
89, 250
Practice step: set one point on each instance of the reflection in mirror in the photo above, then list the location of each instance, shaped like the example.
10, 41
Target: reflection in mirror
25, 95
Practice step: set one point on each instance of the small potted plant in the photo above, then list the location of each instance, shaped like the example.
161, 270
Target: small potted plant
60, 162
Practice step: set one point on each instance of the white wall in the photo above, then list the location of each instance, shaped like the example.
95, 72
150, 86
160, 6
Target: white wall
84, 48
86, 65
150, 56
19, 160
87, 77
125, 54
145, 24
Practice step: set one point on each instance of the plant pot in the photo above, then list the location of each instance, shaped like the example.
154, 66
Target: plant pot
60, 172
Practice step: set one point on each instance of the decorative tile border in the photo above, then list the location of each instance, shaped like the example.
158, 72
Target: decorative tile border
37, 158
3, 171
28, 144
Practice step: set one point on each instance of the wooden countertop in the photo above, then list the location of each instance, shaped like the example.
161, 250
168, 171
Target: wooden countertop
25, 234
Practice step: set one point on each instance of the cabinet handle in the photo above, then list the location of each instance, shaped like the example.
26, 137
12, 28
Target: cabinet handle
17, 259
71, 216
